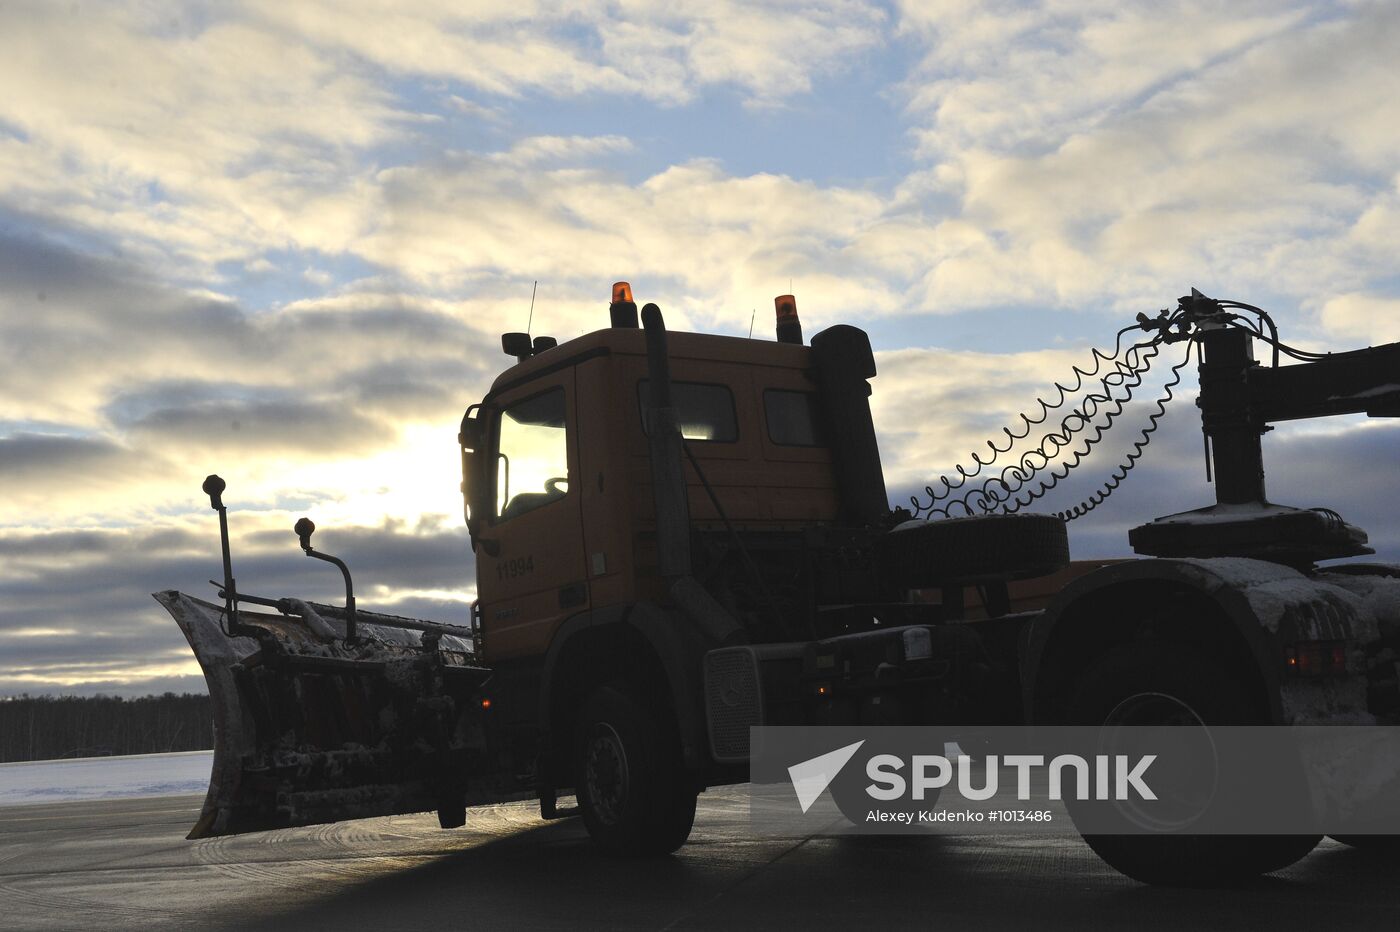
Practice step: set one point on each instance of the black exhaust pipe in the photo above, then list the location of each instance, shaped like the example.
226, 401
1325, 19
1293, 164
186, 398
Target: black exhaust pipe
844, 361
666, 446
664, 440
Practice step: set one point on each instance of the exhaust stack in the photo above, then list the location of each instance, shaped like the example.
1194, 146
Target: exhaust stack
844, 363
665, 443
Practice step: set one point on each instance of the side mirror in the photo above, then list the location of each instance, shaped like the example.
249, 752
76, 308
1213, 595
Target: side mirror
518, 345
472, 439
472, 434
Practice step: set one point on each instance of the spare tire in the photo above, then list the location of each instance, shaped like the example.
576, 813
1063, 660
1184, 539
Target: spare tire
975, 549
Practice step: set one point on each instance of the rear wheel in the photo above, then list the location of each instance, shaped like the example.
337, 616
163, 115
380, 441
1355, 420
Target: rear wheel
633, 791
1159, 683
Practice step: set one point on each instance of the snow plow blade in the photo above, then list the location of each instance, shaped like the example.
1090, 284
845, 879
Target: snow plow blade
311, 729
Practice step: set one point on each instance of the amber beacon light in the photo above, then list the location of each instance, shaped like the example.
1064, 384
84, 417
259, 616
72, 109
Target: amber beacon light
789, 327
623, 309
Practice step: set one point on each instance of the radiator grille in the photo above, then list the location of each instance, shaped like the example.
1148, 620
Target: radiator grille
733, 701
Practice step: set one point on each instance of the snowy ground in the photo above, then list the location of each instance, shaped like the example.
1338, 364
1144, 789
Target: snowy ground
49, 781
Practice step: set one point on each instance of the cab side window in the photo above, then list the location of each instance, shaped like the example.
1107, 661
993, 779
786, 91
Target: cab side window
705, 412
794, 418
532, 460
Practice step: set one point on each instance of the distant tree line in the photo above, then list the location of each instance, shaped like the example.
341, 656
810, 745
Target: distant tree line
50, 727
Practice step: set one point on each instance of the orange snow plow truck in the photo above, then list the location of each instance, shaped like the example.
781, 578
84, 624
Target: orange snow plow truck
679, 536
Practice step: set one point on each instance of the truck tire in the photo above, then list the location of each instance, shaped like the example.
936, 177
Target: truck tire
980, 548
1172, 685
634, 794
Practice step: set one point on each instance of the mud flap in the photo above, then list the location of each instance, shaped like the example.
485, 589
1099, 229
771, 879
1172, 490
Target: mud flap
309, 729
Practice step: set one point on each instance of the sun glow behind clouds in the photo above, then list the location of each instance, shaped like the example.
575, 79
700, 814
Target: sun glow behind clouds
277, 241
414, 481
112, 675
38, 632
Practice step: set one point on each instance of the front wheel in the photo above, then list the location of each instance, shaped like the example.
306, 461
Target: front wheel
633, 791
1155, 684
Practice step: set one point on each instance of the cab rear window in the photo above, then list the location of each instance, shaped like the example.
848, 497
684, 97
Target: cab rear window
794, 418
705, 412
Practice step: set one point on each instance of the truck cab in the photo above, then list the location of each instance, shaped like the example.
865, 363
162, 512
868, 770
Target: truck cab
559, 486
674, 519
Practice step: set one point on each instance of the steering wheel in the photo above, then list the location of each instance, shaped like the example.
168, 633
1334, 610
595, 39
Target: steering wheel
552, 486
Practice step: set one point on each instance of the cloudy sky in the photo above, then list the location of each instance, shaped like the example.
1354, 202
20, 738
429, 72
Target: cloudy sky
278, 240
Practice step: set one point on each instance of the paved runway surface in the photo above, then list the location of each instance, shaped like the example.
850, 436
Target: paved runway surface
125, 865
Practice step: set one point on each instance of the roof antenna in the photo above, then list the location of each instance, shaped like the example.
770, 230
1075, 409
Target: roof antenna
531, 319
751, 320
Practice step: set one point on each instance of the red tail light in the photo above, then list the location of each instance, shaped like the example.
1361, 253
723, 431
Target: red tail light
1316, 658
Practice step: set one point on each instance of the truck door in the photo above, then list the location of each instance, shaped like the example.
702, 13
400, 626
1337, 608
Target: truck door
531, 560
